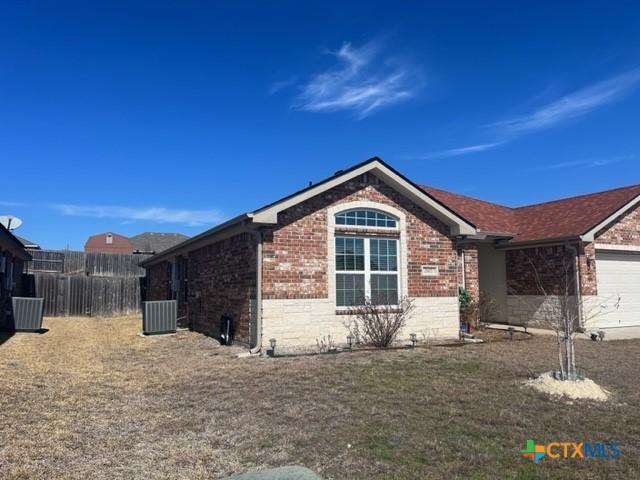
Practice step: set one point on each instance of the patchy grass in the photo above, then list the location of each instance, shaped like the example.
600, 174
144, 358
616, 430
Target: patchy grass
92, 399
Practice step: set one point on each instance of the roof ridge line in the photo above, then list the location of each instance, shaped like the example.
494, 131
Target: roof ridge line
572, 197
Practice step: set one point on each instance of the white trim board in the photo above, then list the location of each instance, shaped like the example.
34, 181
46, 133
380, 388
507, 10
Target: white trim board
618, 248
458, 225
590, 235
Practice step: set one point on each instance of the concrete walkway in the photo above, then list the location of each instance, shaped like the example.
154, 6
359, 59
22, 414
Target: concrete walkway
616, 333
282, 473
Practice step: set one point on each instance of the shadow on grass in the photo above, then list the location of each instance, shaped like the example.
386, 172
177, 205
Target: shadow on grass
5, 334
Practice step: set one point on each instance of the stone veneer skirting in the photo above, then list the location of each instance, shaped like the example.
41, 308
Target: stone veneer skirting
533, 310
298, 323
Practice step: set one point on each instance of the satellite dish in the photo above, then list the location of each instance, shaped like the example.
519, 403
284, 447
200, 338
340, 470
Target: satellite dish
10, 222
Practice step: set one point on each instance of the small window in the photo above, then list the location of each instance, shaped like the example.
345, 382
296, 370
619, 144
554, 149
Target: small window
366, 218
109, 239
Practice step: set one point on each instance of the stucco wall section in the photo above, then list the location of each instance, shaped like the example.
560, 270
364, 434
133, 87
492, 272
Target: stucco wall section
297, 323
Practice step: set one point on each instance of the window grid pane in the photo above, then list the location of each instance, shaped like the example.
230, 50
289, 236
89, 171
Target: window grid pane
349, 254
384, 289
365, 218
383, 255
349, 289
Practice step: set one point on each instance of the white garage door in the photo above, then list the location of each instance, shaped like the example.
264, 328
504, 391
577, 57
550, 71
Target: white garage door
618, 289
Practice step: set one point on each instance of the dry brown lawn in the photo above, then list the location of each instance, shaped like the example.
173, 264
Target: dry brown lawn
90, 399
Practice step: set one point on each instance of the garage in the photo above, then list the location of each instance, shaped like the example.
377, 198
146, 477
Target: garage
618, 288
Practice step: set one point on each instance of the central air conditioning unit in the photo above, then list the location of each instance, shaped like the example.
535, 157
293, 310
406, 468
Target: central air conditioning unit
26, 314
159, 317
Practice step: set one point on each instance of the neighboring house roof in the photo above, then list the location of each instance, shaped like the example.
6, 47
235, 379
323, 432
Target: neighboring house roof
155, 242
28, 243
8, 241
108, 242
568, 217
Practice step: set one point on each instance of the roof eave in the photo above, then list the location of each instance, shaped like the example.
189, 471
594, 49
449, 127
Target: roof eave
458, 224
590, 234
539, 242
203, 238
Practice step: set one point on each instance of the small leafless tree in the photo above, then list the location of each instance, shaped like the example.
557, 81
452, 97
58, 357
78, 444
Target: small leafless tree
561, 310
378, 324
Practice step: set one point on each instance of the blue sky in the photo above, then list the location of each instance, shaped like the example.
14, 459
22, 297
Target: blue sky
173, 116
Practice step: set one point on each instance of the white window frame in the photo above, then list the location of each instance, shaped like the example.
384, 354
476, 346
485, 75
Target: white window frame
373, 210
367, 266
333, 230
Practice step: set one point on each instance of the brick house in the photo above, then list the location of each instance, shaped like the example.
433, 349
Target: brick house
12, 258
108, 242
291, 270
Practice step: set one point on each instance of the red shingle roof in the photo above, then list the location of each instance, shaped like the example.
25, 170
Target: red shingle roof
567, 217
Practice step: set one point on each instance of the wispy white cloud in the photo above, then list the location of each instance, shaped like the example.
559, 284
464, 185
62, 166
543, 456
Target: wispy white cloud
586, 163
153, 214
569, 107
457, 152
363, 81
12, 204
282, 84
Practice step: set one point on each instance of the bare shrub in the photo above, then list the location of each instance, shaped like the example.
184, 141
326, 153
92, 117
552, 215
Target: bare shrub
325, 344
377, 324
487, 308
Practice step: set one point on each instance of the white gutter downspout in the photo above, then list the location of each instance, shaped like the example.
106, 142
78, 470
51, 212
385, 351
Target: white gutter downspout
464, 267
258, 346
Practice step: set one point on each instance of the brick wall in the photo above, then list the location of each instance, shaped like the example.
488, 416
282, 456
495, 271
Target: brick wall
587, 269
158, 282
625, 231
471, 271
539, 271
222, 281
296, 256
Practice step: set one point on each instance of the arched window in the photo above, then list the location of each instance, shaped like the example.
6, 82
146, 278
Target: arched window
366, 265
366, 218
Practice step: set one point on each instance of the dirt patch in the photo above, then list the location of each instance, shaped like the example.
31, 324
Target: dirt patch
584, 389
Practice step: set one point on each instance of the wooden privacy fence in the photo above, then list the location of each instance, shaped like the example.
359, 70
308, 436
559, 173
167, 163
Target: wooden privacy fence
79, 295
81, 263
76, 283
